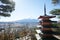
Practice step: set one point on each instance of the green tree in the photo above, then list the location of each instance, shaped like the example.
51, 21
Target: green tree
55, 1
55, 11
6, 7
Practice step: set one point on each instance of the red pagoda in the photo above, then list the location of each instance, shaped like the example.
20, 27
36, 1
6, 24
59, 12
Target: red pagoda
47, 26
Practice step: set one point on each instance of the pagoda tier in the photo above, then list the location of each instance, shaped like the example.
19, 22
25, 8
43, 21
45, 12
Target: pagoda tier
46, 17
46, 28
50, 32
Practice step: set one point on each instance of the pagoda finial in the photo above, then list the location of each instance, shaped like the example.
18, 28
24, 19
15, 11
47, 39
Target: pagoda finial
44, 10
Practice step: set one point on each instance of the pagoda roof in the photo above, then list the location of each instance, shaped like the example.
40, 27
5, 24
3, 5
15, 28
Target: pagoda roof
46, 17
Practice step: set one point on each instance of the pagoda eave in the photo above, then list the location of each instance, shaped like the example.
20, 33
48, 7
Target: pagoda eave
46, 17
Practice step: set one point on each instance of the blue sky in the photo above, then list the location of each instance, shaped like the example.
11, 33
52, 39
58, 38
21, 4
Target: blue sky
32, 9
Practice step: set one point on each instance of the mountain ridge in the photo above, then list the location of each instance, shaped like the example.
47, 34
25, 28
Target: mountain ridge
28, 20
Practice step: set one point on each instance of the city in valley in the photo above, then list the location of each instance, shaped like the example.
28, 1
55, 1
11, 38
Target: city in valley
18, 31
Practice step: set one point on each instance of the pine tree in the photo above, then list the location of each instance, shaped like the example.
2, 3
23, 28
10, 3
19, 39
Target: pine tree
55, 11
6, 7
